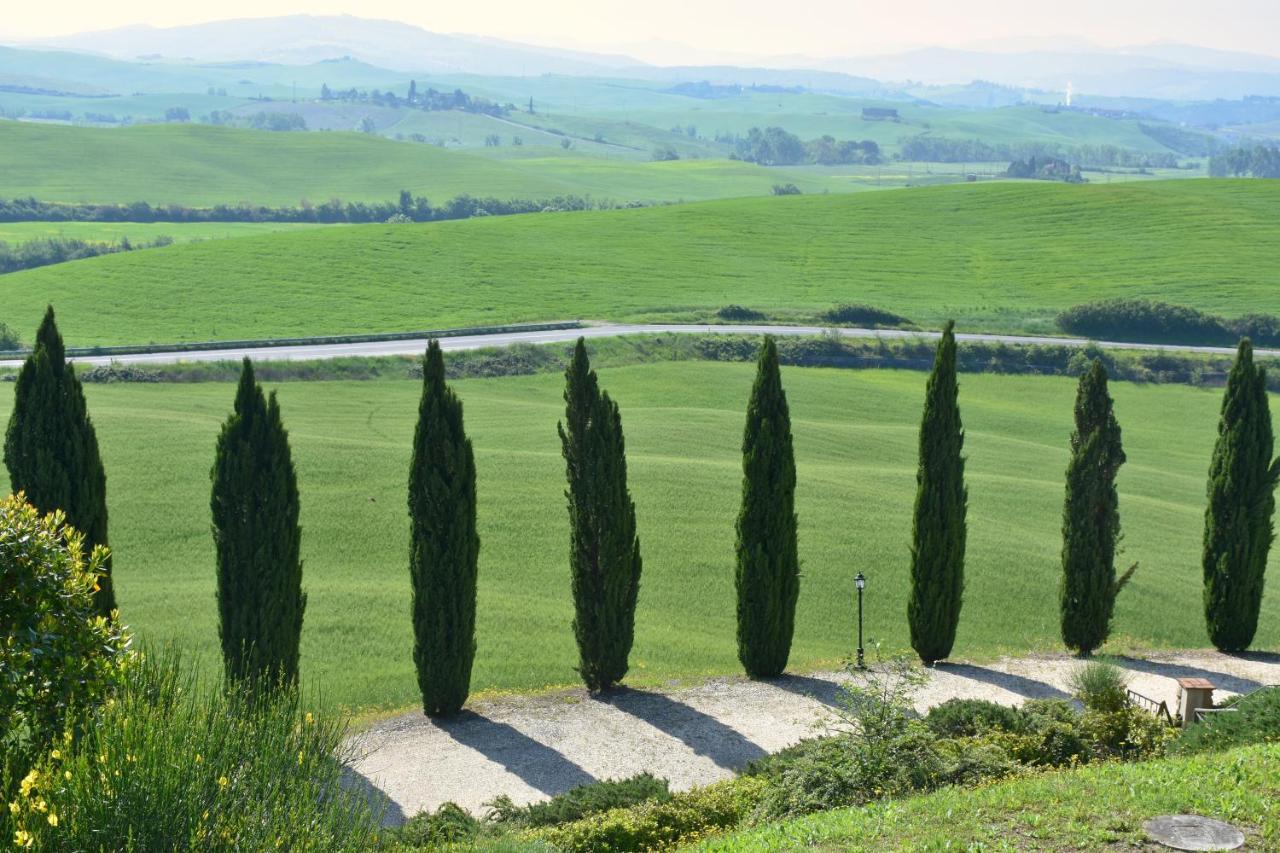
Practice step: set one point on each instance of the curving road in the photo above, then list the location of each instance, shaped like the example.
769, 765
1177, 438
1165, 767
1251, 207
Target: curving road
312, 352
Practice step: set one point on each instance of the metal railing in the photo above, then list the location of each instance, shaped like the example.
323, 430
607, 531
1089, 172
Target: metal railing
1160, 709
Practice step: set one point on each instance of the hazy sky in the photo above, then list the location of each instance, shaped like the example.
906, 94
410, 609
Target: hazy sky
748, 27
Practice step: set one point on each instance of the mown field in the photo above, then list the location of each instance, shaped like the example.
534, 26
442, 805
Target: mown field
200, 165
996, 257
855, 446
138, 232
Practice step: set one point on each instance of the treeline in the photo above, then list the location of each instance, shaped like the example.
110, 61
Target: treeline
1260, 161
1045, 169
407, 208
44, 251
257, 121
774, 146
1148, 321
429, 100
939, 149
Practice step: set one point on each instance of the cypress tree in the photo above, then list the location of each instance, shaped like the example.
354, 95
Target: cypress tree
255, 529
1091, 518
938, 527
1237, 523
51, 449
604, 551
444, 545
767, 575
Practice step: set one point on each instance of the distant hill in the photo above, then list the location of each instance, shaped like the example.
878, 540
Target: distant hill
305, 39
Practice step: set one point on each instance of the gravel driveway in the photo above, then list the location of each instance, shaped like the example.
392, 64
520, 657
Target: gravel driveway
531, 747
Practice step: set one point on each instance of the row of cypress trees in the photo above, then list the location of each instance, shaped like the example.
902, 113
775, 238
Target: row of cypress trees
51, 452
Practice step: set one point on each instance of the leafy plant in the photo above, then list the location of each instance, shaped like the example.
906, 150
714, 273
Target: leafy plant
1254, 718
1100, 686
858, 314
581, 801
970, 717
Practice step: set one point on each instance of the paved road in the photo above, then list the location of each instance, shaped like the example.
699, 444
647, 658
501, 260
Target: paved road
313, 352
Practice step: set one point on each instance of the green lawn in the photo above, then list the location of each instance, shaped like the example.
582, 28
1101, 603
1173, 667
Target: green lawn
137, 232
1094, 808
855, 447
996, 257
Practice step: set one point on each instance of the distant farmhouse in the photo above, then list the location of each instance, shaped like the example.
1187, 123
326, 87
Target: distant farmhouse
879, 114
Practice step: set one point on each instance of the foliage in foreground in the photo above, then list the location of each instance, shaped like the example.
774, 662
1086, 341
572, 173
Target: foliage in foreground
51, 449
767, 574
444, 545
60, 657
171, 766
1255, 718
255, 529
938, 530
1237, 522
604, 550
1082, 809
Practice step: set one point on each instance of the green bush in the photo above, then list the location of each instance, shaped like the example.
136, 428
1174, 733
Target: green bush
969, 717
1128, 733
969, 761
169, 767
60, 658
1255, 719
659, 825
863, 315
9, 339
450, 824
1144, 320
581, 801
738, 314
1100, 686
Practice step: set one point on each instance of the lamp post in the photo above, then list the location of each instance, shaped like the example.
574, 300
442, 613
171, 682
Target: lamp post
861, 583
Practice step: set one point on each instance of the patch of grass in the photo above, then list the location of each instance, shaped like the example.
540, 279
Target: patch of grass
996, 257
855, 435
1087, 809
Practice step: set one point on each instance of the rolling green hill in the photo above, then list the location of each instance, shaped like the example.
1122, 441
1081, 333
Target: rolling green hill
996, 257
202, 165
855, 435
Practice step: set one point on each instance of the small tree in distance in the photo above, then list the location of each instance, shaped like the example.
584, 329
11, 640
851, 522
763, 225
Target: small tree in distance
604, 550
51, 448
1091, 518
256, 533
444, 545
938, 528
767, 577
1237, 522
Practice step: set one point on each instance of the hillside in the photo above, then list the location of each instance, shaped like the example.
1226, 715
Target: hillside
994, 256
201, 165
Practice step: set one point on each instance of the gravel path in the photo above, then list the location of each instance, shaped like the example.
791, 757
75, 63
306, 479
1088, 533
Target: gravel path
531, 747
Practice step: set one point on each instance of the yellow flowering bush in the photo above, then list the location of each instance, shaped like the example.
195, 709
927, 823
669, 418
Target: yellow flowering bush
58, 658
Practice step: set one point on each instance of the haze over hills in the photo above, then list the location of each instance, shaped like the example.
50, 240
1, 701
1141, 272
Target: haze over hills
1165, 71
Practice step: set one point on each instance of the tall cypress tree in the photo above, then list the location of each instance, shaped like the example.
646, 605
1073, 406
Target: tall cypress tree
767, 575
604, 551
1237, 523
51, 449
938, 528
255, 529
1091, 518
444, 545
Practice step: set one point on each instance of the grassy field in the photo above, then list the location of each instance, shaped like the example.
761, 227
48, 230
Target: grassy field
201, 165
1091, 808
855, 446
997, 257
137, 232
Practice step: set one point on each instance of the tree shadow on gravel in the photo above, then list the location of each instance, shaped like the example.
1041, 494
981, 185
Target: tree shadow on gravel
1027, 688
537, 764
701, 732
381, 805
818, 689
1221, 680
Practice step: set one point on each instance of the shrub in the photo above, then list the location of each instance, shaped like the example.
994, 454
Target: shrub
108, 373
9, 339
968, 761
169, 767
581, 801
1262, 329
739, 314
1100, 686
449, 824
1129, 733
1256, 719
969, 717
862, 315
659, 825
59, 657
1144, 320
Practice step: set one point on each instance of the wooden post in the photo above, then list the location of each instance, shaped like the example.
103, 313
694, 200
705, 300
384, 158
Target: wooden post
1193, 694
